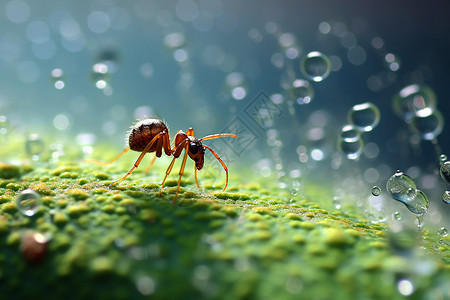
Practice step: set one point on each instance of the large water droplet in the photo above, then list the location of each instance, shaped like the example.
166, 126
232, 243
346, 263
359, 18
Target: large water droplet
28, 202
398, 184
402, 188
315, 66
365, 116
419, 203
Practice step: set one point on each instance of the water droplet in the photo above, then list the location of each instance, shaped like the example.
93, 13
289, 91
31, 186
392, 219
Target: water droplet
57, 78
445, 171
4, 123
34, 146
365, 116
398, 184
302, 91
446, 197
337, 202
442, 232
429, 126
350, 133
419, 203
376, 191
352, 150
402, 188
28, 202
443, 158
397, 216
414, 100
315, 66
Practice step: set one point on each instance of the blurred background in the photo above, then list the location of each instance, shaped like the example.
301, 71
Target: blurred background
74, 74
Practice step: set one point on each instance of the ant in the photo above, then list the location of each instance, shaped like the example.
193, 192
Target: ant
152, 135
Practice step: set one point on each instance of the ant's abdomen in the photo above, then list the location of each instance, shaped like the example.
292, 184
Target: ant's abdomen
143, 132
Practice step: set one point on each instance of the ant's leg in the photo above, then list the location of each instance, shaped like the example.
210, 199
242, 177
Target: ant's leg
196, 181
138, 161
169, 169
150, 165
176, 153
215, 136
183, 164
108, 163
223, 165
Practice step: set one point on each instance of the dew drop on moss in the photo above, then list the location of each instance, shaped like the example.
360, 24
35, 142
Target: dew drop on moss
28, 202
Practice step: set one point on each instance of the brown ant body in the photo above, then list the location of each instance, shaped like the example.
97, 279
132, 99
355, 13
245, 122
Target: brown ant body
152, 135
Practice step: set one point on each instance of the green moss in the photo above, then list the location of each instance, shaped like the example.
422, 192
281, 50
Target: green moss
249, 242
60, 218
101, 175
77, 194
8, 171
14, 186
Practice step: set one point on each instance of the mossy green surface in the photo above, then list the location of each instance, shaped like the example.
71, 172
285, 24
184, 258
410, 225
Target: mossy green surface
91, 241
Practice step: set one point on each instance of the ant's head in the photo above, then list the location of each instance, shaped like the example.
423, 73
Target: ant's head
196, 152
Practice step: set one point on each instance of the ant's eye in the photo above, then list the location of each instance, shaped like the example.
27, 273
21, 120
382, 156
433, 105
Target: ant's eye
193, 148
